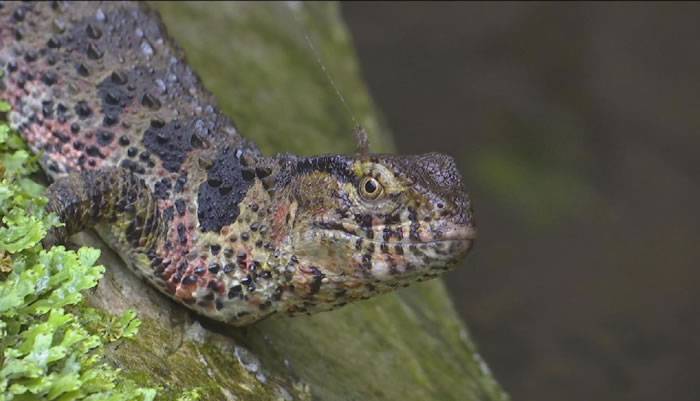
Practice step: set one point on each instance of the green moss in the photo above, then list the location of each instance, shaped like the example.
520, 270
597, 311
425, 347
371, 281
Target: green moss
206, 363
191, 395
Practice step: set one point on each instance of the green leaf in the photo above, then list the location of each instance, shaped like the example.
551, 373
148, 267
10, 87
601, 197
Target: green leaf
16, 288
16, 162
4, 132
125, 326
20, 231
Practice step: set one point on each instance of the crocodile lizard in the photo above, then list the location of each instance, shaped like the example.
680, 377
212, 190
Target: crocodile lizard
137, 149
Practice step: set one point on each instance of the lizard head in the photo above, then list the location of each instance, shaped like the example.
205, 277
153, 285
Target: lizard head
364, 225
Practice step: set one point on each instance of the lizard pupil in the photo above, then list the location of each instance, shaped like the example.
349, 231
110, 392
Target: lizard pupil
370, 188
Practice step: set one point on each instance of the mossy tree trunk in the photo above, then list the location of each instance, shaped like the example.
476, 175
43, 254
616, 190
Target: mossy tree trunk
409, 345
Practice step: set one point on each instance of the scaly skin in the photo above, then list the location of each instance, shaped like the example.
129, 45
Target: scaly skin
139, 151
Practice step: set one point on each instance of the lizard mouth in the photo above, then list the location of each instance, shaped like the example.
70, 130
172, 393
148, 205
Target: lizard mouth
455, 240
448, 233
386, 252
459, 233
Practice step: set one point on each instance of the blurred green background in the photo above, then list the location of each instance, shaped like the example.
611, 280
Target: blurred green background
576, 128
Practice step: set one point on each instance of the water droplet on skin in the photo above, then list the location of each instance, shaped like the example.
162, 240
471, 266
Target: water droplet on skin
200, 128
161, 86
59, 25
146, 49
100, 15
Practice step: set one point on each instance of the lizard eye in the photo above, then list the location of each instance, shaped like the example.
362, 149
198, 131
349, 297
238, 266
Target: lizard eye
370, 188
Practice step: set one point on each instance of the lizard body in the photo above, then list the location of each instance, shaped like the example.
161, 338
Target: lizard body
138, 150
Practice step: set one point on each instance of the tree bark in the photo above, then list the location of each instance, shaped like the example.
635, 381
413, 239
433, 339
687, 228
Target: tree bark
408, 345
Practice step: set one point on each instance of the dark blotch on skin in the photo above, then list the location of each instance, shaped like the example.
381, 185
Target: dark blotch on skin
315, 285
104, 138
49, 78
180, 206
93, 31
337, 165
180, 183
61, 136
217, 209
114, 97
47, 109
19, 14
234, 291
150, 101
94, 52
214, 268
182, 233
172, 141
162, 189
132, 166
82, 109
30, 56
82, 70
110, 120
94, 151
119, 77
168, 214
53, 43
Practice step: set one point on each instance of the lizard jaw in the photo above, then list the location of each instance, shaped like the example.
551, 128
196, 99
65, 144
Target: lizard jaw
460, 233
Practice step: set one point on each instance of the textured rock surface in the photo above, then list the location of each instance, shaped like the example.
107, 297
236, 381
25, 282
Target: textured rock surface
408, 345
